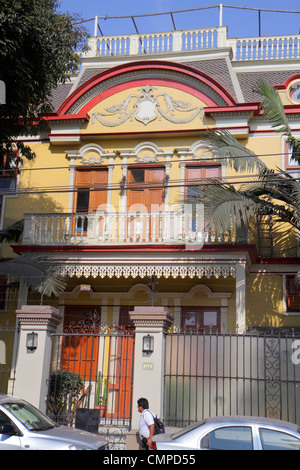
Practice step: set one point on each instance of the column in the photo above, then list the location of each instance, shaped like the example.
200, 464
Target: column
33, 364
149, 367
241, 297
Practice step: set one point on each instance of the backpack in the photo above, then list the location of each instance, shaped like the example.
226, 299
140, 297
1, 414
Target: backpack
159, 427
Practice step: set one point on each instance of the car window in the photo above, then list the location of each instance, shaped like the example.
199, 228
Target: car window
31, 417
4, 419
277, 440
229, 438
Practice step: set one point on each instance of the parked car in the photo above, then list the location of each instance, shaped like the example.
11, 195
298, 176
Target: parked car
22, 426
232, 433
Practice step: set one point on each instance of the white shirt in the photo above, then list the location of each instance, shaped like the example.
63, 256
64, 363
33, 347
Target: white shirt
146, 420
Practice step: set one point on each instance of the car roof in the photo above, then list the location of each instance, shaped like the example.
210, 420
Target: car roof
7, 398
254, 420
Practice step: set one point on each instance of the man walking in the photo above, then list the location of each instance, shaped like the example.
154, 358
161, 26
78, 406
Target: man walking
146, 427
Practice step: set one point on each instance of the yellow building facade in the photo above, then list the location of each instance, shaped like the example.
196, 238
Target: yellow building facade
105, 197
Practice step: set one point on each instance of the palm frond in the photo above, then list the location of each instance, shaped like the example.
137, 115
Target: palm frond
38, 274
224, 207
225, 146
274, 110
13, 232
272, 106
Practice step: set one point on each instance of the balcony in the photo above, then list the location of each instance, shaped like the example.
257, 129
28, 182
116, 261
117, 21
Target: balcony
282, 47
130, 228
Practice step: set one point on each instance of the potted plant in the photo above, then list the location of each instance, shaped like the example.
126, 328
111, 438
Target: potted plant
100, 401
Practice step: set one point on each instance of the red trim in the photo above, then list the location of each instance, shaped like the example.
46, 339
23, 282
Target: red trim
154, 65
120, 134
237, 107
142, 82
287, 82
134, 248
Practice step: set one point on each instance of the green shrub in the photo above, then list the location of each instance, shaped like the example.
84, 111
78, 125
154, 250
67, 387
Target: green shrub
65, 389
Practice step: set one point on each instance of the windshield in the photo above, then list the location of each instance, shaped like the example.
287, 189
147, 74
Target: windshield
28, 415
183, 431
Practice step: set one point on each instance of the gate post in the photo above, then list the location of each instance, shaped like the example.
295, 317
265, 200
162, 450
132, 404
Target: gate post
33, 360
149, 366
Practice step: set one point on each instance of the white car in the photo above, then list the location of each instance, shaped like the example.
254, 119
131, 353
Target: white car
232, 433
24, 427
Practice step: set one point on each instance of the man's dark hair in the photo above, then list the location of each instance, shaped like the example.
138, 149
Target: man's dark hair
143, 402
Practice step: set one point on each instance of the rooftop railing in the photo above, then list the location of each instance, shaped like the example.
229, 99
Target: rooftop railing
280, 47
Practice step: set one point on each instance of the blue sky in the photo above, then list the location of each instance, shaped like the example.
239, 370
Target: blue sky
239, 22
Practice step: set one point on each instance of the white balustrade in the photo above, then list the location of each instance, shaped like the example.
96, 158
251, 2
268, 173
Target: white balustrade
249, 48
118, 229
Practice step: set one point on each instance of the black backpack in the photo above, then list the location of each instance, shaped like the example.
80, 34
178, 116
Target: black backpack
159, 427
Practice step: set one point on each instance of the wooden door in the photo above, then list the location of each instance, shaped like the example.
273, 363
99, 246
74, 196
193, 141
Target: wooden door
90, 196
146, 196
197, 176
80, 349
120, 376
91, 190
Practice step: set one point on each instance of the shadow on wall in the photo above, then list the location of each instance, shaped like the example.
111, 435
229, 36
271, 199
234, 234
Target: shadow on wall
264, 300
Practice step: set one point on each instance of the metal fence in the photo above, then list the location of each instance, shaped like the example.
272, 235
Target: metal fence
91, 378
255, 374
7, 349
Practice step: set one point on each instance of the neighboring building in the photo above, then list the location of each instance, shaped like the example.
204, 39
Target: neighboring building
104, 198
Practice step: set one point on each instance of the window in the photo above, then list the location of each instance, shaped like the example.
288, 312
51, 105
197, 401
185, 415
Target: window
4, 419
200, 318
146, 189
292, 295
277, 440
197, 176
229, 438
124, 319
91, 191
291, 166
3, 292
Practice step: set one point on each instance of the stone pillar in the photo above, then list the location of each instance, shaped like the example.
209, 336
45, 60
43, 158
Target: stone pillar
33, 365
149, 368
241, 297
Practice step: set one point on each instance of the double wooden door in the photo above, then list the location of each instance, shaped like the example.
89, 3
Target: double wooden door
146, 201
88, 347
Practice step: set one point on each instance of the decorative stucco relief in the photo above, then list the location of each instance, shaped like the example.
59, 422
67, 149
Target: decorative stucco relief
146, 107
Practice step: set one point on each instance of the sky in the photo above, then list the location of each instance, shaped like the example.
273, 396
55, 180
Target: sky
240, 23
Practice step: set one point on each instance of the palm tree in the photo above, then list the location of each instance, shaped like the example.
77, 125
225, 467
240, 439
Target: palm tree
37, 273
268, 192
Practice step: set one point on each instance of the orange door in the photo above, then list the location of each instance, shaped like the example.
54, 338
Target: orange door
90, 195
196, 179
120, 377
145, 195
80, 348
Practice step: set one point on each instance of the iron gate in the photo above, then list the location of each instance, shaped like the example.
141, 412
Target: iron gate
91, 377
208, 374
8, 345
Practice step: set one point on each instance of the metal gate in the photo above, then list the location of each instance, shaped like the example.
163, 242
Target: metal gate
92, 376
8, 345
210, 374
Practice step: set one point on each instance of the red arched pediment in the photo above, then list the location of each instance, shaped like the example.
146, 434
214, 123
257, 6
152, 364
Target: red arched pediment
156, 73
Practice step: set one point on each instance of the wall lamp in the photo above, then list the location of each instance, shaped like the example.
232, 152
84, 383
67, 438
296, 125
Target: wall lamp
31, 341
148, 345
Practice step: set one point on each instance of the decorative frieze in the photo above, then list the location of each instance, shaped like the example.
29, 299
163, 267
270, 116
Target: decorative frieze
144, 270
